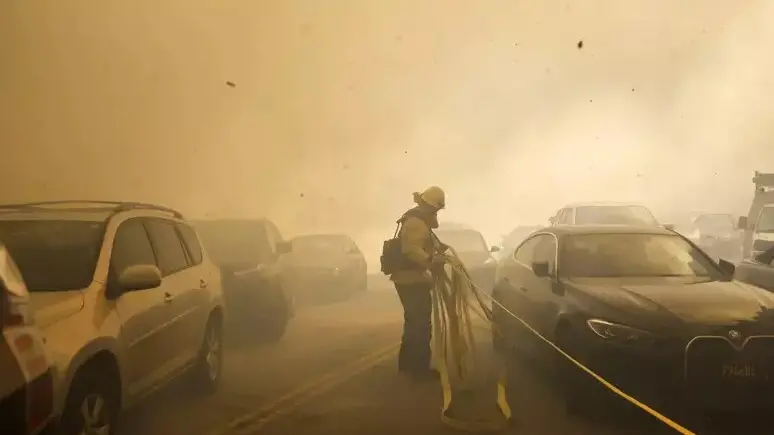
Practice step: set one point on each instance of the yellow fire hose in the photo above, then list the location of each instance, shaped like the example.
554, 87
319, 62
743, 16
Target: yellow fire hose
454, 297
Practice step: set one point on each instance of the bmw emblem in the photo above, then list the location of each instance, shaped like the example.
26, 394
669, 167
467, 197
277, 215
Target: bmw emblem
734, 334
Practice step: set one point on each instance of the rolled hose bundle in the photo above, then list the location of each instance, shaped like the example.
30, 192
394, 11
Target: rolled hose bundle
454, 297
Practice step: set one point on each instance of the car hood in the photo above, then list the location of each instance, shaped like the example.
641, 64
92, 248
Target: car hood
474, 258
701, 303
51, 307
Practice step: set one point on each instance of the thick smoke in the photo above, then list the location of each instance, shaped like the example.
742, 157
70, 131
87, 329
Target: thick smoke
341, 109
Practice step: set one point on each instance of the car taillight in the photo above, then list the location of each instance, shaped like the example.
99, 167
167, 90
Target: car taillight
14, 311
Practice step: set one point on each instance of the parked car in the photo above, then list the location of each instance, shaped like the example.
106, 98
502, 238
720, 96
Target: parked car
605, 213
27, 382
758, 270
325, 267
513, 239
248, 253
125, 298
642, 307
472, 250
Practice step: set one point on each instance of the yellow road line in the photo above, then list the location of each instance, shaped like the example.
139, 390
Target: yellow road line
254, 421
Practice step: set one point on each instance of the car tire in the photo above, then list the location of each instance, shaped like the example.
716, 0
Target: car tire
92, 405
208, 369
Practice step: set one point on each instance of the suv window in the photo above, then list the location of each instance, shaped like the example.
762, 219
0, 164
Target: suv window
524, 253
167, 245
191, 241
131, 246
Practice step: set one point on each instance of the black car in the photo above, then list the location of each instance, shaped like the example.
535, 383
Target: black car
248, 253
644, 308
758, 271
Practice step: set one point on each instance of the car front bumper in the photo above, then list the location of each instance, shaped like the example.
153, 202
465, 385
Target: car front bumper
699, 374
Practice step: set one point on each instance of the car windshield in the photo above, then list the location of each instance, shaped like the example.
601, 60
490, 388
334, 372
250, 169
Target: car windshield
714, 223
631, 255
614, 215
766, 221
54, 255
463, 240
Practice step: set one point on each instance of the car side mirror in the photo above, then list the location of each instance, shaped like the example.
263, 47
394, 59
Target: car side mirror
494, 249
139, 277
670, 227
727, 267
540, 269
284, 248
552, 220
742, 223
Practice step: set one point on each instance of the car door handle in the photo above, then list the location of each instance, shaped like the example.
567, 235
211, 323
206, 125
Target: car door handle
168, 298
202, 283
524, 289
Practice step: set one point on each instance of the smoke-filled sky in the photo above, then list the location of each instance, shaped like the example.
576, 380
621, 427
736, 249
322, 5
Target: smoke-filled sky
341, 109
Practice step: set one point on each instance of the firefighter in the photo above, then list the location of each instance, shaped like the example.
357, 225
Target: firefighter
414, 282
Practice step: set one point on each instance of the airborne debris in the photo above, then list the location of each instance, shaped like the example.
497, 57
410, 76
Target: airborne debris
232, 84
580, 44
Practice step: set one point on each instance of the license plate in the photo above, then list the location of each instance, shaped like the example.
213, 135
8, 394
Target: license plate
742, 371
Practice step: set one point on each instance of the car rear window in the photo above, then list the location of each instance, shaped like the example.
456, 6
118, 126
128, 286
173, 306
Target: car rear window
54, 255
235, 242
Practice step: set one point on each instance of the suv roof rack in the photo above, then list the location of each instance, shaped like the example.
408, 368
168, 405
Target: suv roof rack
115, 206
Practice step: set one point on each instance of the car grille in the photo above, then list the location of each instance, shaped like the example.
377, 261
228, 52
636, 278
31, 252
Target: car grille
718, 363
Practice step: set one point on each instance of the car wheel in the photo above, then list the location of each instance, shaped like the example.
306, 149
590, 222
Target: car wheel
209, 365
92, 404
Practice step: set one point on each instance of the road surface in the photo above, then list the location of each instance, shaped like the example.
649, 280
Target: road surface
335, 372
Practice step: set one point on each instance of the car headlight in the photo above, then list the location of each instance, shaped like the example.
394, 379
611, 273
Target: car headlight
619, 333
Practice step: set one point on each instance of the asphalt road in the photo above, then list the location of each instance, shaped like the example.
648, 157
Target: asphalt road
334, 372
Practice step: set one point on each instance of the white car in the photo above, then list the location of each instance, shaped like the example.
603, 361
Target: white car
605, 213
125, 298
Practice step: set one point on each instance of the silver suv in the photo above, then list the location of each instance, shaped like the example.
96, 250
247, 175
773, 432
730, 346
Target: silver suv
126, 300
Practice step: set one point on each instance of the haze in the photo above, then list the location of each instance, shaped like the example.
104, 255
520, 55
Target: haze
340, 109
